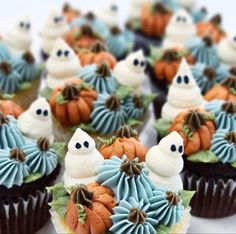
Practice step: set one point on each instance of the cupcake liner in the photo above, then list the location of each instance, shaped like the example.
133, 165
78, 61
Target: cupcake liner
214, 198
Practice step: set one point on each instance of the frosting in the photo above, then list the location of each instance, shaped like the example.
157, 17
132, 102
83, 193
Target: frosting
167, 207
179, 30
4, 52
129, 35
225, 117
126, 178
183, 93
19, 39
224, 71
62, 65
199, 14
134, 107
36, 122
26, 66
224, 145
109, 114
133, 216
227, 50
13, 167
40, 157
130, 71
9, 78
99, 77
81, 160
10, 135
55, 27
165, 162
203, 50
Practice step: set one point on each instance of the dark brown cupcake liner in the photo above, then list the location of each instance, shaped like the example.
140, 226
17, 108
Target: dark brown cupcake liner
214, 198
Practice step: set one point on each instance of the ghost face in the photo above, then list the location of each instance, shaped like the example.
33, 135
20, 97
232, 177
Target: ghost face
55, 19
40, 110
136, 62
81, 143
23, 25
181, 19
232, 41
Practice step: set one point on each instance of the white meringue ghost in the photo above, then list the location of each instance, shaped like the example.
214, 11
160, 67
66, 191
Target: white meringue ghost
130, 72
62, 65
55, 27
179, 30
81, 160
183, 94
165, 162
36, 122
18, 39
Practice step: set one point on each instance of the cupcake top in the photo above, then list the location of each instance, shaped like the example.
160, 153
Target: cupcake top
183, 93
224, 71
81, 160
135, 107
165, 162
18, 38
4, 52
130, 72
36, 122
62, 65
179, 30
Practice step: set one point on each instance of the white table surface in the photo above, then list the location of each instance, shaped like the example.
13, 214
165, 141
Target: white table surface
38, 9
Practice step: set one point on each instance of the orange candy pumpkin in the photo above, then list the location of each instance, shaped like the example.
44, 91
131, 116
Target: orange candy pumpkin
97, 54
72, 104
8, 107
69, 12
226, 90
154, 19
196, 128
127, 143
211, 28
95, 203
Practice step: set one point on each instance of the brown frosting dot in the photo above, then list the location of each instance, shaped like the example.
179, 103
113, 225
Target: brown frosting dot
137, 216
90, 16
230, 82
70, 92
208, 41
172, 198
28, 57
3, 119
43, 144
233, 71
229, 107
126, 131
17, 154
210, 73
138, 103
87, 30
216, 19
231, 137
98, 47
113, 103
115, 30
5, 67
159, 8
103, 70
81, 195
131, 167
194, 119
170, 56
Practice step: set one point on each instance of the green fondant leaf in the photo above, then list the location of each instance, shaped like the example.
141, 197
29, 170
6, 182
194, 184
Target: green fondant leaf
33, 177
46, 92
233, 91
61, 100
7, 96
210, 116
123, 91
81, 214
187, 132
186, 197
25, 85
162, 229
156, 53
134, 122
203, 157
136, 24
60, 148
151, 61
233, 164
162, 126
85, 86
87, 127
148, 98
58, 190
108, 141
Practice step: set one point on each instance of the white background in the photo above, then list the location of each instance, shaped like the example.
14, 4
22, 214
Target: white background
38, 9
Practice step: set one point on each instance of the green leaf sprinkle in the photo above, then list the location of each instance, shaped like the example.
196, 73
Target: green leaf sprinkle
33, 177
203, 157
186, 197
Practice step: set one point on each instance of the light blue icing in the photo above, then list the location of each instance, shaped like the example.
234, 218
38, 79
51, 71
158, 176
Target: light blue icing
223, 120
101, 84
104, 120
202, 80
10, 135
198, 15
43, 162
223, 71
203, 53
166, 213
12, 172
129, 36
131, 110
121, 183
171, 4
4, 53
223, 149
122, 224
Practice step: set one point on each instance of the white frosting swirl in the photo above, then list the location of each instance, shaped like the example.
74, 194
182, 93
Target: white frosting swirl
179, 30
82, 159
62, 65
165, 162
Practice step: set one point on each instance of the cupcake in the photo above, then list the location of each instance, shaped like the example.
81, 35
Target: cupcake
18, 39
69, 12
179, 30
54, 27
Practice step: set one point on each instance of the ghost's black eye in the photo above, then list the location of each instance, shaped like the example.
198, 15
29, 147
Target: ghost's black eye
27, 25
59, 53
22, 24
179, 80
114, 8
56, 19
45, 113
86, 144
234, 38
181, 149
186, 79
77, 145
142, 64
179, 19
173, 148
184, 20
38, 111
136, 62
66, 53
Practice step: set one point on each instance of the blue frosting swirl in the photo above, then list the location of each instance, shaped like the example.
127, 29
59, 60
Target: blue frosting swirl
4, 53
223, 119
105, 120
222, 148
224, 71
129, 36
171, 4
199, 15
12, 171
166, 211
107, 84
10, 135
203, 53
121, 218
133, 111
115, 174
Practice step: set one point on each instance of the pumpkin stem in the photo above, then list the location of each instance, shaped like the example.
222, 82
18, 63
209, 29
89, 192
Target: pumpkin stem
3, 119
17, 154
126, 131
170, 56
138, 103
172, 198
28, 57
131, 167
216, 19
43, 144
90, 16
5, 67
210, 73
232, 71
208, 41
159, 8
81, 195
70, 92
229, 107
86, 30
113, 103
231, 137
103, 70
66, 7
115, 30
137, 216
195, 120
229, 83
97, 47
